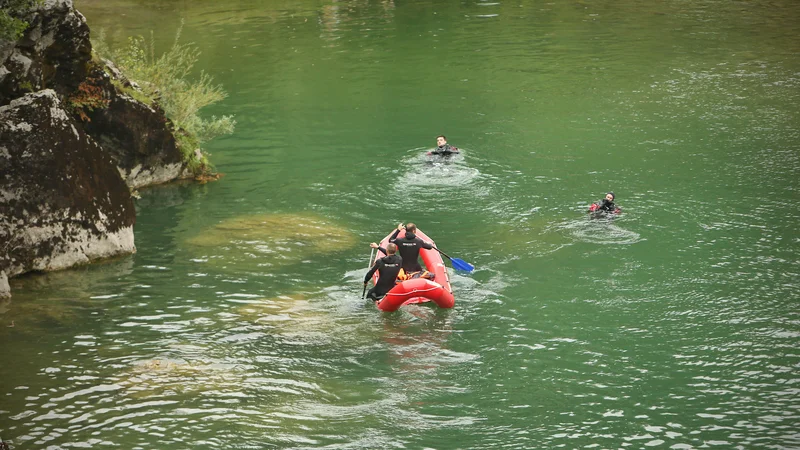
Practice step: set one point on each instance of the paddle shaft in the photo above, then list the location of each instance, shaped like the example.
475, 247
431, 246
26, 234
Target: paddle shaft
443, 253
369, 264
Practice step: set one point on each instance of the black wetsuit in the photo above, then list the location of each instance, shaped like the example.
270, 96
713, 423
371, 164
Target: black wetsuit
445, 150
605, 206
409, 247
388, 267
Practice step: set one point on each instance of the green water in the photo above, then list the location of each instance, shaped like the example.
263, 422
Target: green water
239, 322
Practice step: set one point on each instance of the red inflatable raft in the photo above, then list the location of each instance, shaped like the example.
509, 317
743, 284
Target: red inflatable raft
418, 290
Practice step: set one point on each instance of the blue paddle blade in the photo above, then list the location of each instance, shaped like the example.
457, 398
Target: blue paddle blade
460, 264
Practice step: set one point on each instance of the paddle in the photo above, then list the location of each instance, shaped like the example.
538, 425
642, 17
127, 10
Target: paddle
459, 264
369, 264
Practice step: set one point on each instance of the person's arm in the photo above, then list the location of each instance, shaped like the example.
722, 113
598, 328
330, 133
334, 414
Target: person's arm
396, 232
372, 270
380, 249
424, 244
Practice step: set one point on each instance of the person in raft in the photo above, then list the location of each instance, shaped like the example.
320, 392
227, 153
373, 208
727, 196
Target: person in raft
409, 247
443, 148
388, 268
605, 205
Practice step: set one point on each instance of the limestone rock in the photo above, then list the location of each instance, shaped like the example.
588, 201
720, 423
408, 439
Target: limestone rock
62, 200
53, 53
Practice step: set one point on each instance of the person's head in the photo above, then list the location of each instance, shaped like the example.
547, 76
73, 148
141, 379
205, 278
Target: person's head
441, 140
610, 196
411, 228
391, 248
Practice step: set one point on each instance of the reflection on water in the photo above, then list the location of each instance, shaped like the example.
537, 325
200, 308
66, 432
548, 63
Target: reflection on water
338, 16
60, 299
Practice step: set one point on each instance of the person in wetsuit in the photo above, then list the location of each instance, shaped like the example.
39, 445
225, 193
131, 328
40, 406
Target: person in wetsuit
443, 148
388, 268
409, 247
605, 205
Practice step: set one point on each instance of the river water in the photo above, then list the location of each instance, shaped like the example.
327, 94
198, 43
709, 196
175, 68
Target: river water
239, 322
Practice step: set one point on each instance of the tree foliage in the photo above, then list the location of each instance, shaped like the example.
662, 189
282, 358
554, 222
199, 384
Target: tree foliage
11, 26
165, 78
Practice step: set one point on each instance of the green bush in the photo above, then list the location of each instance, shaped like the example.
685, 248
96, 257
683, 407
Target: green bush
11, 27
164, 78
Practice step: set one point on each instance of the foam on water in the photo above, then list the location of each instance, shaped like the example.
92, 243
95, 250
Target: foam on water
598, 231
423, 170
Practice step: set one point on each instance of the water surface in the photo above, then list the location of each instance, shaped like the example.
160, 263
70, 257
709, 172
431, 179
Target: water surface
239, 322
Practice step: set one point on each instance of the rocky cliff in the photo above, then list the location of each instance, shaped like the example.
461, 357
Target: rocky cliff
72, 146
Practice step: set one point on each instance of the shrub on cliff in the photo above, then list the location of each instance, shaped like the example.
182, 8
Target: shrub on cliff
165, 79
11, 26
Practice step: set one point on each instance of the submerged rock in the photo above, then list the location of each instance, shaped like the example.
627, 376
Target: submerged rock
269, 240
62, 200
292, 316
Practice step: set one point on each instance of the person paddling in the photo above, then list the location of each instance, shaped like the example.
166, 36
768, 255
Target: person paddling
388, 268
409, 246
606, 205
443, 148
